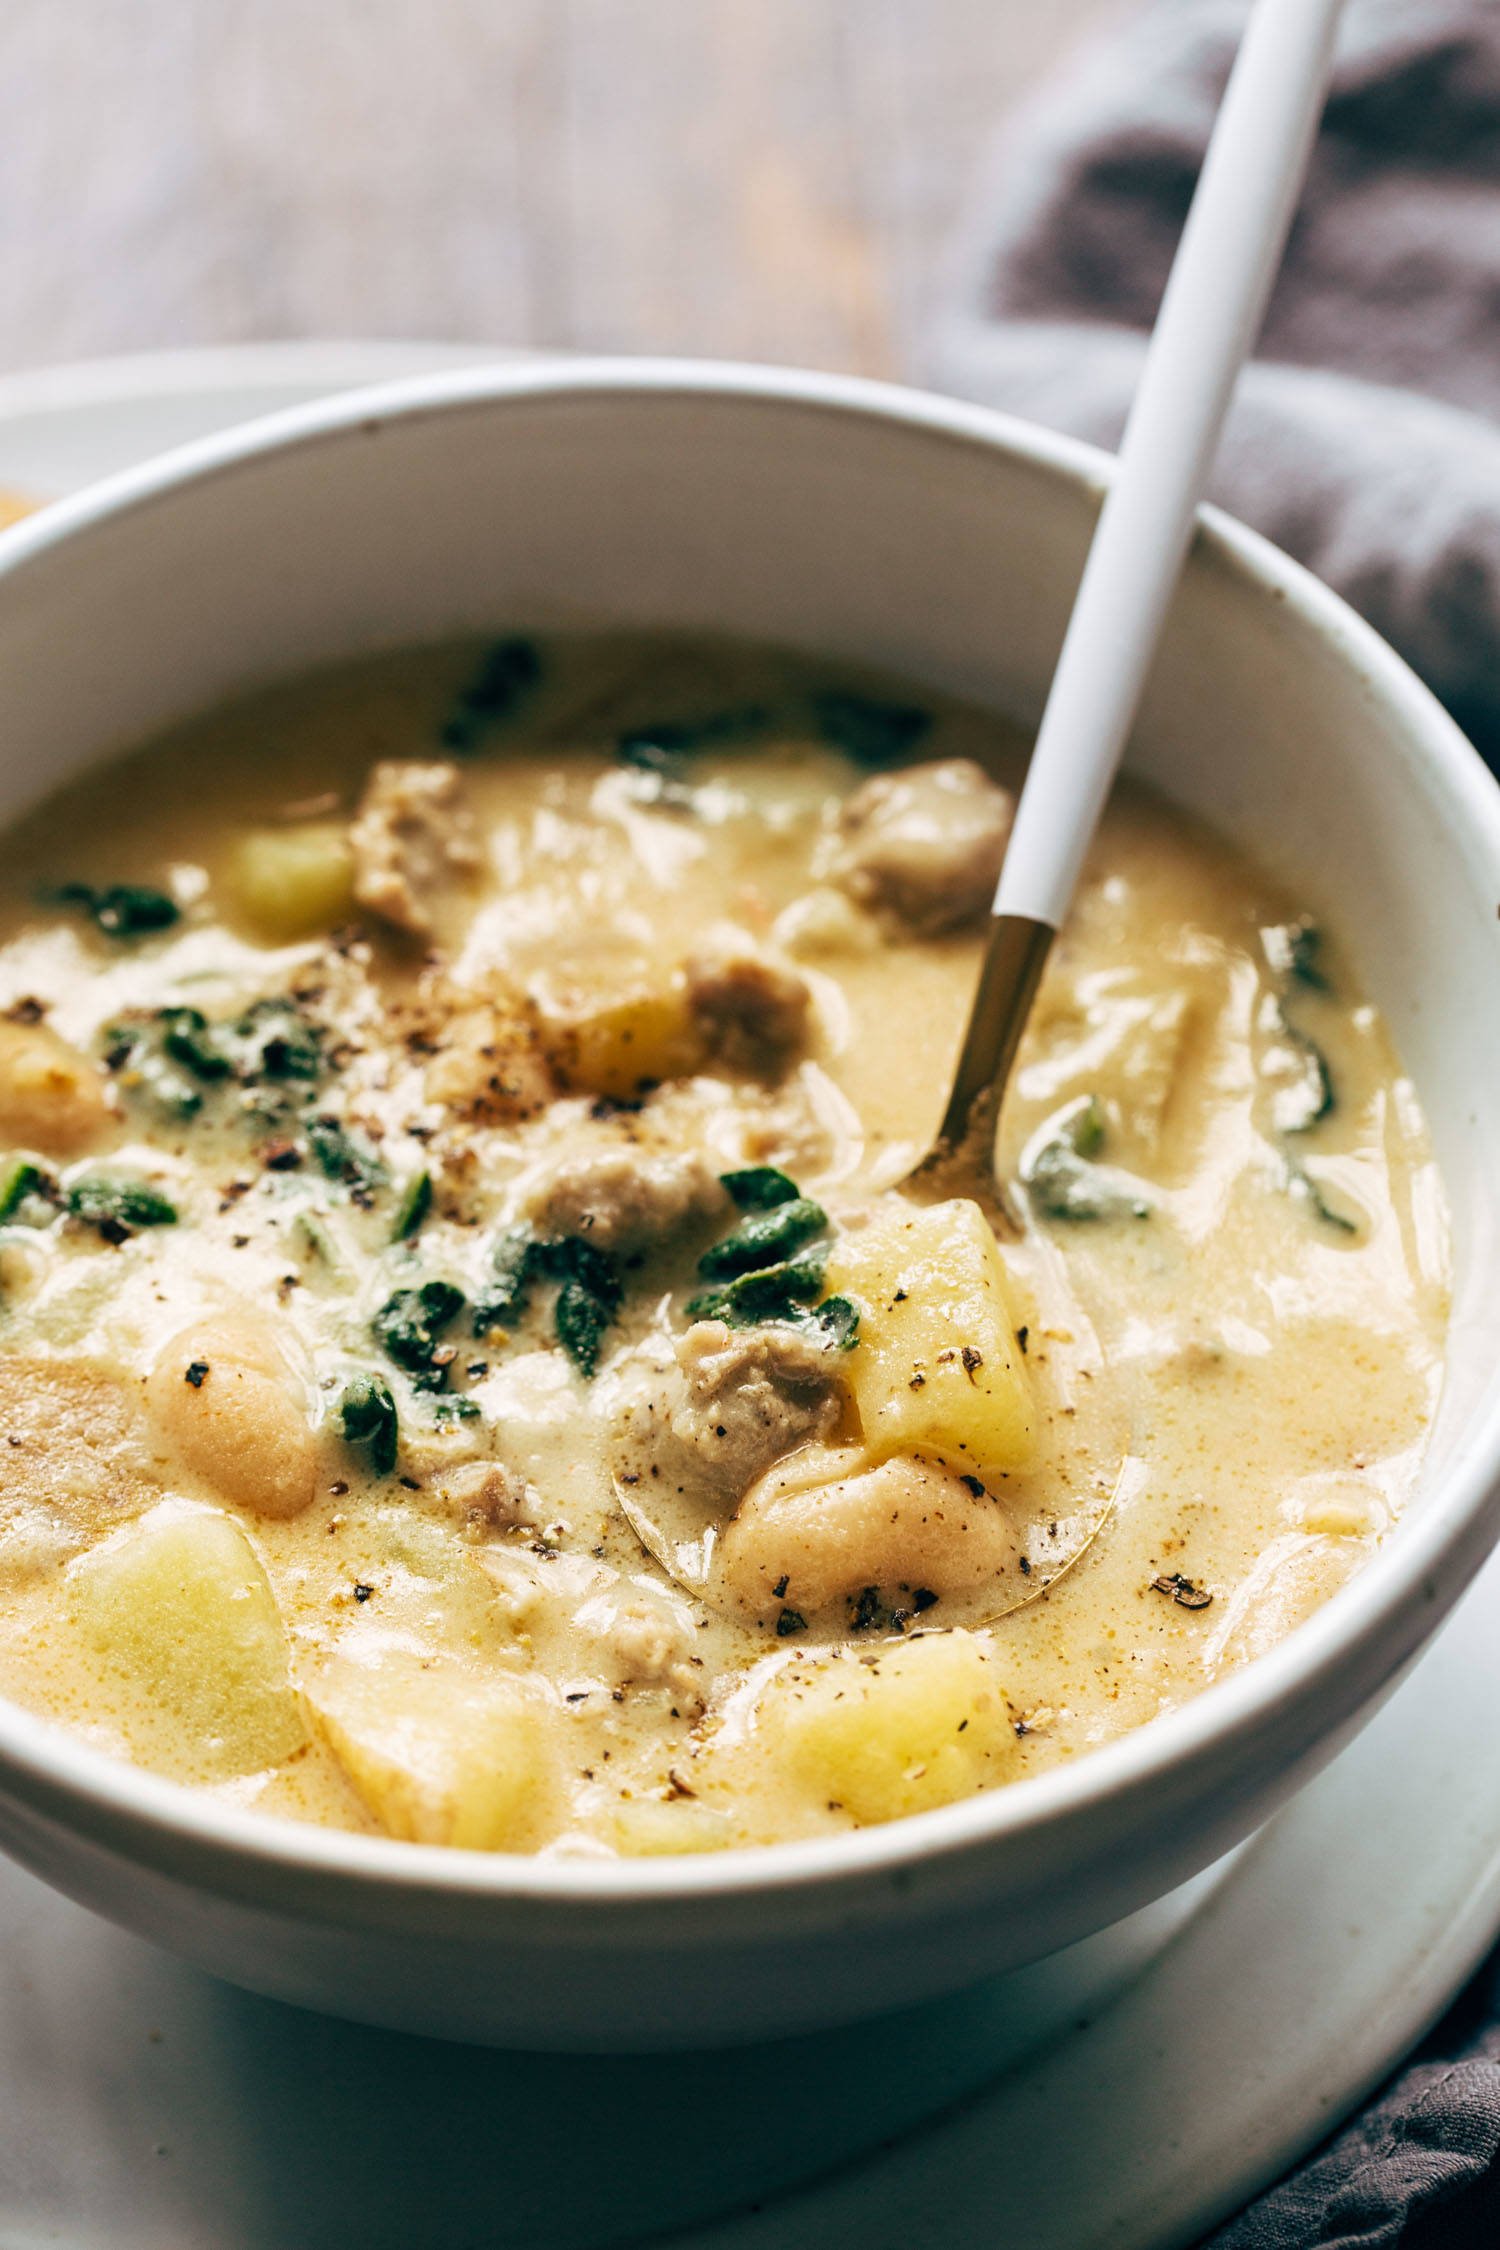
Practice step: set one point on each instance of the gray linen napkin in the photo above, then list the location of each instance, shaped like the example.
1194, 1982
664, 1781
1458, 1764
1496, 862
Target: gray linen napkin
1392, 278
1366, 441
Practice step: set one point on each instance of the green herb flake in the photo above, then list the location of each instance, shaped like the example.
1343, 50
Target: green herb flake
416, 1202
367, 1417
869, 729
409, 1327
121, 910
763, 1238
116, 1206
760, 1188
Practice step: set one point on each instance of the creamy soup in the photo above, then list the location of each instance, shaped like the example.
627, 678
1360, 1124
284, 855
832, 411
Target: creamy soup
468, 1368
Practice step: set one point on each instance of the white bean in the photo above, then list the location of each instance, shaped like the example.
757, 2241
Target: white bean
225, 1398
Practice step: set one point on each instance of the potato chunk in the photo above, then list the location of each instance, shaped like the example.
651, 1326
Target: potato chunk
52, 1098
616, 1041
441, 1753
226, 1400
289, 882
910, 1726
936, 1369
77, 1460
180, 1607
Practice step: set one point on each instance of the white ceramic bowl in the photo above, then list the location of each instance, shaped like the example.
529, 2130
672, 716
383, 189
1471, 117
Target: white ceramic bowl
940, 541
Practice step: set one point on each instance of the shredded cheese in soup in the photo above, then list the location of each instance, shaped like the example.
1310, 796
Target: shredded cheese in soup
468, 1369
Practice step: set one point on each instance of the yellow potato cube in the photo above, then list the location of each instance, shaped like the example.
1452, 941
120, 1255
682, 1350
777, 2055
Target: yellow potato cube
937, 1368
909, 1726
440, 1752
615, 1041
180, 1607
289, 882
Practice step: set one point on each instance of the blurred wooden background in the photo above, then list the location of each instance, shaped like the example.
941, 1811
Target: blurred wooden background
774, 179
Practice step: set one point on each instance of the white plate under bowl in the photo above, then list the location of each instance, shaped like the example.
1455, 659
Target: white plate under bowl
145, 2107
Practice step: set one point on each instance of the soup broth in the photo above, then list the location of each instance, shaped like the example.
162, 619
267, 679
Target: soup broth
469, 1370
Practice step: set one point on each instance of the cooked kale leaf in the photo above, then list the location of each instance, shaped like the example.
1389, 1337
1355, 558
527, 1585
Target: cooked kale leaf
21, 1180
511, 1268
838, 1317
189, 1038
760, 1188
770, 1267
171, 1057
344, 1156
121, 910
116, 1205
1301, 1184
1294, 950
763, 1238
589, 1296
134, 1052
581, 1319
867, 728
1306, 1094
663, 746
410, 1327
416, 1202
767, 1292
1067, 1181
367, 1416
506, 676
275, 1039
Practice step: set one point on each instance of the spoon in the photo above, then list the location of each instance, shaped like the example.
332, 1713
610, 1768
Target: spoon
1210, 314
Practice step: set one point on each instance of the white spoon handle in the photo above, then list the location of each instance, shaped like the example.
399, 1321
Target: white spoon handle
1210, 314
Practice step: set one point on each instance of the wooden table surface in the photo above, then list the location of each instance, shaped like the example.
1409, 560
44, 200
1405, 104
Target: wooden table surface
773, 179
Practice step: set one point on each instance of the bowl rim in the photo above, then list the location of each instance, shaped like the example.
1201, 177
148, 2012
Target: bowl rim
1405, 1574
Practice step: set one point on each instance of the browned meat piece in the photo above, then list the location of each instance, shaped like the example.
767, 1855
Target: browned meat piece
52, 1098
640, 1638
74, 1458
752, 1008
925, 845
485, 1497
412, 834
627, 1198
748, 1396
